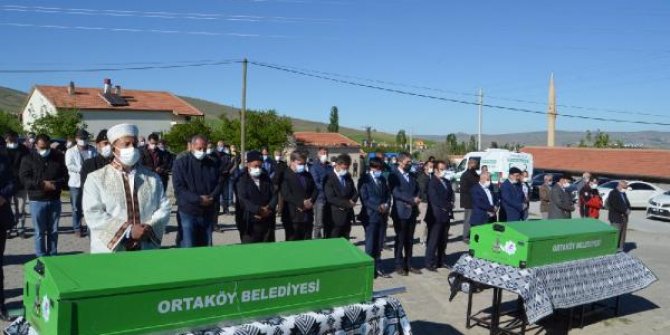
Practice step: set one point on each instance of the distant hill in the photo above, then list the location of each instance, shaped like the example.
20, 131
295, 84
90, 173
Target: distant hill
11, 100
645, 139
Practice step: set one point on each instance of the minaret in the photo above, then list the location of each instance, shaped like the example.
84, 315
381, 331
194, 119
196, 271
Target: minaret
551, 114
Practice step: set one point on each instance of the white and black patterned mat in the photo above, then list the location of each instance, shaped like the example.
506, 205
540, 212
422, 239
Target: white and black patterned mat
561, 285
383, 316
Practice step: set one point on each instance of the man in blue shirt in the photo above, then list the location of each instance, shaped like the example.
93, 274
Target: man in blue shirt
197, 184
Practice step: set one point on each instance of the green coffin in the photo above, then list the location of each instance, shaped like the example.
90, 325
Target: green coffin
533, 243
160, 290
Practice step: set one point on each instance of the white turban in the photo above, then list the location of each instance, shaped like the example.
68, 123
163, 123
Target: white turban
121, 130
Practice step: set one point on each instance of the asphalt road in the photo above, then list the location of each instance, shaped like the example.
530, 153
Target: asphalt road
426, 299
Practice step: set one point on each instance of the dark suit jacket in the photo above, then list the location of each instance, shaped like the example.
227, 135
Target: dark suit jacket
7, 189
618, 206
252, 197
294, 194
440, 200
512, 200
162, 162
404, 193
560, 206
373, 195
469, 178
480, 205
339, 210
91, 165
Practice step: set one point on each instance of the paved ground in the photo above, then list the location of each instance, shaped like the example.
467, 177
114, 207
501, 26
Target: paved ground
426, 300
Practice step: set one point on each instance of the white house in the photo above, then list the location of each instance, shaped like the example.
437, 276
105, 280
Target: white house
101, 108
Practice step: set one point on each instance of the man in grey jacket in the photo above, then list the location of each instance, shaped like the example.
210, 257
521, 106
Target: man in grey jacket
561, 205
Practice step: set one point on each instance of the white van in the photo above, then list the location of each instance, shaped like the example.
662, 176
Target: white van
499, 161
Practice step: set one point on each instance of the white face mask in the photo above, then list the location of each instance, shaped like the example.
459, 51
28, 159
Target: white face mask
525, 179
81, 143
430, 170
486, 184
106, 151
141, 144
12, 145
198, 154
209, 151
255, 172
323, 158
277, 158
69, 144
44, 152
300, 168
128, 156
342, 173
593, 185
566, 185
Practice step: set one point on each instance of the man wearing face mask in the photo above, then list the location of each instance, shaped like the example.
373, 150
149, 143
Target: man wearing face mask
483, 201
319, 170
258, 201
74, 160
376, 200
155, 159
15, 152
103, 157
561, 205
405, 209
438, 219
545, 195
43, 173
124, 203
341, 198
469, 178
512, 200
619, 210
197, 183
268, 164
298, 191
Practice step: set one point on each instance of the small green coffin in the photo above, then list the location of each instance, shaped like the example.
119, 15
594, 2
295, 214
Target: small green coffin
533, 243
164, 290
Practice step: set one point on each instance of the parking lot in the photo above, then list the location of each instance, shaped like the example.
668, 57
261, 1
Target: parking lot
426, 300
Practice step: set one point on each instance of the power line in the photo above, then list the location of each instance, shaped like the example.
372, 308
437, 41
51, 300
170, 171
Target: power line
608, 110
133, 68
397, 91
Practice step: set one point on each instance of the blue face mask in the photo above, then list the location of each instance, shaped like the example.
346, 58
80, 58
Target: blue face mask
377, 174
300, 168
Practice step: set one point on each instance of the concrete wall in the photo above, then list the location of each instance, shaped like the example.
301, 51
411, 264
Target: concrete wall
38, 106
147, 122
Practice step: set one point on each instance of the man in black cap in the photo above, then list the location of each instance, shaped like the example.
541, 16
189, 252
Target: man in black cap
103, 157
258, 201
74, 160
512, 199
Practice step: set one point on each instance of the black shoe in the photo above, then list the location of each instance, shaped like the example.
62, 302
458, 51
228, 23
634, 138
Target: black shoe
415, 271
4, 315
401, 272
380, 273
431, 268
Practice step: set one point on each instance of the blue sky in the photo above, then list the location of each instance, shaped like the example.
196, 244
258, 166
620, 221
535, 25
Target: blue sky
612, 55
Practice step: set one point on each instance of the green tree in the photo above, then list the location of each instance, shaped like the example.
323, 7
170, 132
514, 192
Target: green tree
334, 125
9, 122
472, 144
264, 128
61, 124
181, 133
401, 139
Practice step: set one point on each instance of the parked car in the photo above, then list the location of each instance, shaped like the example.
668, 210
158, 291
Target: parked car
659, 206
639, 192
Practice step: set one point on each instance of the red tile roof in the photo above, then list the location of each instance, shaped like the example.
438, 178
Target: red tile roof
630, 163
324, 139
90, 98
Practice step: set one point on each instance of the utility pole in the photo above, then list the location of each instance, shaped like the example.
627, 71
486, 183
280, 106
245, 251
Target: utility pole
551, 113
479, 133
243, 111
